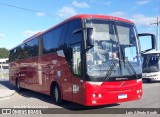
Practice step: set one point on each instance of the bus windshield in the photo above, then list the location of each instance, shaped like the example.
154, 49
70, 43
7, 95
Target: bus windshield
115, 52
150, 63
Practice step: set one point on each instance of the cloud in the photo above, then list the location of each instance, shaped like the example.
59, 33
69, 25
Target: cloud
118, 14
31, 32
142, 20
40, 14
66, 12
80, 4
1, 35
143, 2
138, 19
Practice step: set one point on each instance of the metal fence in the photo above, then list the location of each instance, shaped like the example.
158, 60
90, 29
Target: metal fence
4, 73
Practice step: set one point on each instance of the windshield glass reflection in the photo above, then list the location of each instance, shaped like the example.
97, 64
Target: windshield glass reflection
151, 63
112, 54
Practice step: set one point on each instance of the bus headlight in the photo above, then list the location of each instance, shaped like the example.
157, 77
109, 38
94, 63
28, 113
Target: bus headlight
139, 80
139, 91
99, 95
94, 95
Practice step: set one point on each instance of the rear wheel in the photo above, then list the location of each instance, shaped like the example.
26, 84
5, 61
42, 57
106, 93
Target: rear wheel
18, 87
56, 94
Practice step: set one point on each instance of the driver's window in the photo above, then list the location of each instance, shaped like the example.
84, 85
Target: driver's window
130, 53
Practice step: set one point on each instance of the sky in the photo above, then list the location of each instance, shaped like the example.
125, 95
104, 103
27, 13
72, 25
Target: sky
20, 19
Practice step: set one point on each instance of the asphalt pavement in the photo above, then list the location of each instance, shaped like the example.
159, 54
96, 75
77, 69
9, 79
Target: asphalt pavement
6, 89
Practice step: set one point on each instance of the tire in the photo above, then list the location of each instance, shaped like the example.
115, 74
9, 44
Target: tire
148, 80
56, 94
18, 87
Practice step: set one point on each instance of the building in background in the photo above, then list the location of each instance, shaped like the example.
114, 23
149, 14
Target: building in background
4, 67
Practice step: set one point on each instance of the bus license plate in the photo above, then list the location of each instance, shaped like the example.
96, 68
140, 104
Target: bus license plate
122, 96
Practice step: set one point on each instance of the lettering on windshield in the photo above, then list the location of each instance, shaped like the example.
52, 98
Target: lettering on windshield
121, 78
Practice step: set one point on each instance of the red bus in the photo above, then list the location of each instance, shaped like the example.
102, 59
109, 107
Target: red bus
86, 59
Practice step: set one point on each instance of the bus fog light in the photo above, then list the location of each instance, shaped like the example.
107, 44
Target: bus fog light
137, 91
94, 102
139, 96
100, 95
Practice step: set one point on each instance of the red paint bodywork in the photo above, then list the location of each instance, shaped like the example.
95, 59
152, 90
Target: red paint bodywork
111, 90
39, 72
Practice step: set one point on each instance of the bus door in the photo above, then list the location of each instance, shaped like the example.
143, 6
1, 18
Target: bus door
72, 49
78, 88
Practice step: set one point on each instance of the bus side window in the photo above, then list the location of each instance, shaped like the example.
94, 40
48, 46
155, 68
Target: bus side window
73, 46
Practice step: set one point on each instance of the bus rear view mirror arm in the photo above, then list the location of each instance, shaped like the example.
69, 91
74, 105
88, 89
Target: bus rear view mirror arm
90, 39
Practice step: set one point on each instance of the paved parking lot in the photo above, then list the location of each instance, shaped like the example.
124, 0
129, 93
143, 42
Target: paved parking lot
30, 99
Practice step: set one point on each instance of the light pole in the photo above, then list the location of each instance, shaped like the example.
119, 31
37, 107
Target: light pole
157, 33
2, 70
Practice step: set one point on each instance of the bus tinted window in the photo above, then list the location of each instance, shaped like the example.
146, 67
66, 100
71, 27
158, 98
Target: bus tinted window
51, 39
63, 37
19, 51
33, 47
30, 49
21, 54
74, 38
11, 53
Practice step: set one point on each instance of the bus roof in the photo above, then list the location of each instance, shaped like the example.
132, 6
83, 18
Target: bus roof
152, 52
3, 59
80, 16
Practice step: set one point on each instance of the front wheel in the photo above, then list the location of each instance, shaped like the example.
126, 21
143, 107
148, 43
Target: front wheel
57, 94
148, 80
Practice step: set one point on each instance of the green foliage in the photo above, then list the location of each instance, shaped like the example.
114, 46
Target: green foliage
4, 53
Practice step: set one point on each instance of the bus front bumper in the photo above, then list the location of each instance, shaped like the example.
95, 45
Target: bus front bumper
112, 93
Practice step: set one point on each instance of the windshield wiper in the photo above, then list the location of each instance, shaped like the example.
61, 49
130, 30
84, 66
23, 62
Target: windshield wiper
114, 62
130, 65
128, 62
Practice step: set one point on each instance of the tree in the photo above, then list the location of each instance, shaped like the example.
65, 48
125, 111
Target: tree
4, 53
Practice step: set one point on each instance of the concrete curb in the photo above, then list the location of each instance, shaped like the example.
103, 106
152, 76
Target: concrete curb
6, 89
6, 93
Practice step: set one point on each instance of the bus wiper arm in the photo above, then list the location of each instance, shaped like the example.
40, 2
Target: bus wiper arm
130, 65
111, 70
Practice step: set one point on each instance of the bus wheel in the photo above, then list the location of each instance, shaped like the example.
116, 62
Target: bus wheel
18, 87
57, 94
148, 80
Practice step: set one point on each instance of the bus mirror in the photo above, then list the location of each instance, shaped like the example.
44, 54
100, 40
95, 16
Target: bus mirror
150, 39
90, 40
